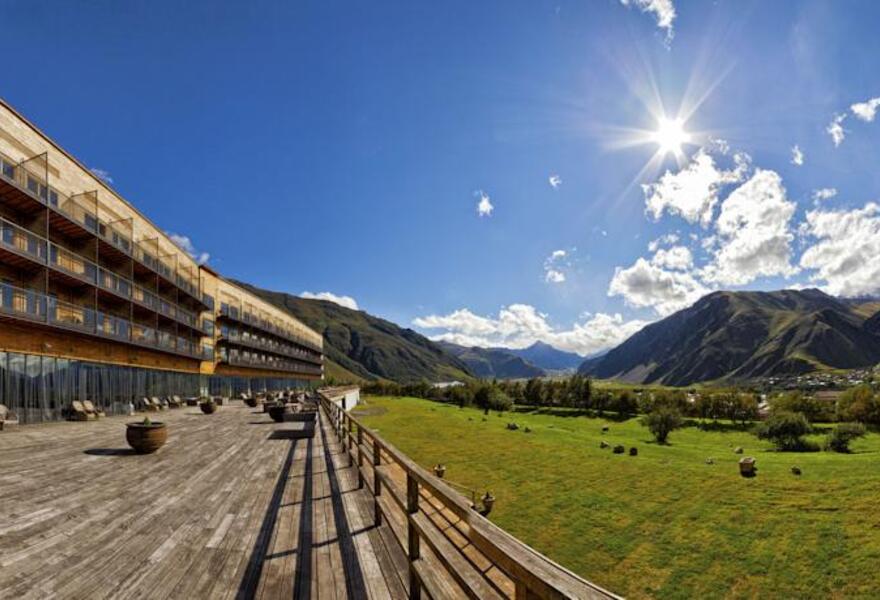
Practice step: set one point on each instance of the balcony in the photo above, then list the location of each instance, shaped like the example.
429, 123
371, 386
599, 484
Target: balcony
246, 339
234, 314
38, 307
23, 186
269, 364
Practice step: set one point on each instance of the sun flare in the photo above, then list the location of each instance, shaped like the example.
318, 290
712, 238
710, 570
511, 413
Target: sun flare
670, 135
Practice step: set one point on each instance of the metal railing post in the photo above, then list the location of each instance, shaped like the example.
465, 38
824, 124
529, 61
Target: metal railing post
412, 507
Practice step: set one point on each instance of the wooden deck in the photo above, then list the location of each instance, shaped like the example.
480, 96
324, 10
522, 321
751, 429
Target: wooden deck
234, 506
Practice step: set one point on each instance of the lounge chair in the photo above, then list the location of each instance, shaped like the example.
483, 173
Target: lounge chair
148, 405
172, 402
158, 403
7, 419
78, 412
178, 400
90, 409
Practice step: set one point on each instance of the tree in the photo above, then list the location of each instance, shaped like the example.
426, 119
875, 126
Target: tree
490, 397
843, 434
785, 430
461, 395
859, 404
662, 421
798, 402
534, 393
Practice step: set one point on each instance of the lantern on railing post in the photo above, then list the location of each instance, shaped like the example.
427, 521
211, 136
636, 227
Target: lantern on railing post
488, 502
440, 470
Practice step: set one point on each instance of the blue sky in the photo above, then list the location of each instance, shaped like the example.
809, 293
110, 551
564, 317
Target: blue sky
346, 147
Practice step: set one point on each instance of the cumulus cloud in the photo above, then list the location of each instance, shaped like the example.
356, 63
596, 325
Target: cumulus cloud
835, 129
677, 258
845, 254
484, 206
823, 194
646, 284
867, 110
346, 301
555, 266
555, 181
184, 243
102, 175
664, 240
754, 235
692, 192
521, 325
797, 156
663, 11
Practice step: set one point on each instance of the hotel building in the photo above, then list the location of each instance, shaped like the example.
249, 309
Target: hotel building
98, 303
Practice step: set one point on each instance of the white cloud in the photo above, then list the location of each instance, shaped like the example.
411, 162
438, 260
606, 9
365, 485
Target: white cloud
677, 258
797, 156
484, 206
184, 243
346, 301
554, 276
835, 129
845, 255
648, 285
663, 240
555, 266
663, 11
102, 175
867, 110
555, 181
823, 194
521, 325
754, 233
692, 192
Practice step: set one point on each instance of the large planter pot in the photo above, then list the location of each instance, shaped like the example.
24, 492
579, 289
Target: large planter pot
251, 401
209, 408
280, 412
146, 439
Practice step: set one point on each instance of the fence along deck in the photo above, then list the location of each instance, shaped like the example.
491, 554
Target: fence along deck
453, 551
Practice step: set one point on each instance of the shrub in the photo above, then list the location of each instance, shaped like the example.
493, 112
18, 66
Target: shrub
662, 421
859, 404
839, 439
785, 430
490, 397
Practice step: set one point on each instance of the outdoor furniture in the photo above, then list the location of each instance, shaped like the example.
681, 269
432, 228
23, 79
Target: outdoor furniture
7, 419
747, 466
158, 403
179, 400
78, 412
90, 409
146, 405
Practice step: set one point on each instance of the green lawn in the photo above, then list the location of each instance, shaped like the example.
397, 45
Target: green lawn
664, 523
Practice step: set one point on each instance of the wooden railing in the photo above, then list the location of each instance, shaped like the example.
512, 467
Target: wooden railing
452, 549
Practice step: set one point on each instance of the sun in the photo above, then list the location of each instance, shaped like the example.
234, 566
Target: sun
670, 136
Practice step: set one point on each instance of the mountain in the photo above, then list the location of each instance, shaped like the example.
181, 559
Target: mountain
743, 335
491, 363
359, 345
549, 358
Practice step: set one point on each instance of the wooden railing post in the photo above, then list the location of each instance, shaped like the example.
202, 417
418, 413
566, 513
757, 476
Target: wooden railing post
412, 507
377, 483
360, 444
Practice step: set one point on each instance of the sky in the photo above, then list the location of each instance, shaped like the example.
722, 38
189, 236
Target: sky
489, 173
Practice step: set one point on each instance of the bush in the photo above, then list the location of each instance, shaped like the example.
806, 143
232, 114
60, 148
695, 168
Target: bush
490, 397
785, 430
859, 404
662, 421
843, 434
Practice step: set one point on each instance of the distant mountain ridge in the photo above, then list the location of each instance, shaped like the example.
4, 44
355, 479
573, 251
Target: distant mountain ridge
359, 345
745, 335
547, 357
492, 363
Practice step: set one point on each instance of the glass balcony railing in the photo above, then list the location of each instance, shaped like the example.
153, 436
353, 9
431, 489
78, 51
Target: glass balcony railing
22, 241
114, 283
71, 315
20, 302
73, 264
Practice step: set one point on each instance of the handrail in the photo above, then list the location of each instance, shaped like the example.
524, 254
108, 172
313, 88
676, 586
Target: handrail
530, 573
239, 315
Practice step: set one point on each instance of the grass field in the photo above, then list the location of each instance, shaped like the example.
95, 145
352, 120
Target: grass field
664, 523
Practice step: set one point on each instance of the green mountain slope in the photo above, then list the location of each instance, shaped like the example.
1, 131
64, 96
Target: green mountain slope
490, 363
743, 335
367, 346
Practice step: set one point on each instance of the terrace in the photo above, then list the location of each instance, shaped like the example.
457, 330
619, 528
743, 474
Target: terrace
236, 505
